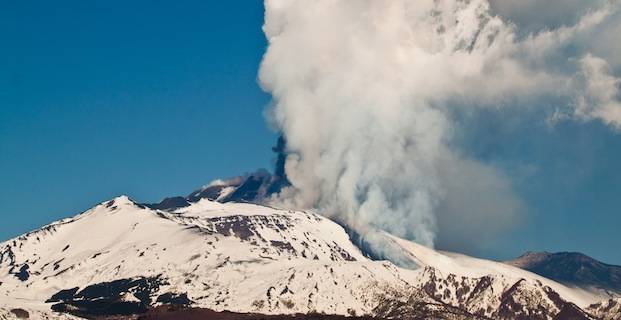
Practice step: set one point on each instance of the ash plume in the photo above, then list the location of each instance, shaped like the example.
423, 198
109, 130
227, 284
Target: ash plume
369, 95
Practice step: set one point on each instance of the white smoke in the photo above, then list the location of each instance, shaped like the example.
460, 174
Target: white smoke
366, 93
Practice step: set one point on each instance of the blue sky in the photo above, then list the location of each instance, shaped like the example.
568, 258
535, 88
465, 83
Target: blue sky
100, 98
567, 176
153, 99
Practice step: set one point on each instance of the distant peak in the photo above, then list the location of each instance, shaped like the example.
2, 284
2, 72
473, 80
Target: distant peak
572, 268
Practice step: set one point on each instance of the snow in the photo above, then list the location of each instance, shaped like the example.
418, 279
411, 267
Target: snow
459, 264
229, 256
118, 239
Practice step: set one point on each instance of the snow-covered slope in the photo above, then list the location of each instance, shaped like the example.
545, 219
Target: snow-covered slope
458, 264
123, 257
460, 273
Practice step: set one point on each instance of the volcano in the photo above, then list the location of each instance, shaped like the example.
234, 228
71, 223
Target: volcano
215, 255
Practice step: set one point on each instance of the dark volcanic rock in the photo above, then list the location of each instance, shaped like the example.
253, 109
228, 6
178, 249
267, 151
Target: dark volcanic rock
176, 299
170, 203
249, 190
23, 273
572, 268
93, 308
108, 298
20, 313
63, 295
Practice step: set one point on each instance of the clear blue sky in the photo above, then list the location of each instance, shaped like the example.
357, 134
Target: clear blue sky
154, 99
149, 99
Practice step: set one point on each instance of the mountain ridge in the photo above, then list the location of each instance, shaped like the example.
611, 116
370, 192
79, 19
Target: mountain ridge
573, 268
249, 258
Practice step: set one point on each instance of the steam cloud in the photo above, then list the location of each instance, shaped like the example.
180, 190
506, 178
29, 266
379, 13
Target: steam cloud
369, 93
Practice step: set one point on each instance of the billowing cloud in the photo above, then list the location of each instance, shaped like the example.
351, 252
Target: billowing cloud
599, 97
369, 95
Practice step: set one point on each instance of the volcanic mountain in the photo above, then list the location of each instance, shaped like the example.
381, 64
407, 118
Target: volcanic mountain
215, 255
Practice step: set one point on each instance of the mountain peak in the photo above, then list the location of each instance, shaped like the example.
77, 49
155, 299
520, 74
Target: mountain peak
571, 268
250, 188
123, 199
120, 201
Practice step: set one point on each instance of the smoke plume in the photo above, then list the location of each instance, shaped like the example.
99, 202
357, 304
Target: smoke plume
370, 95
